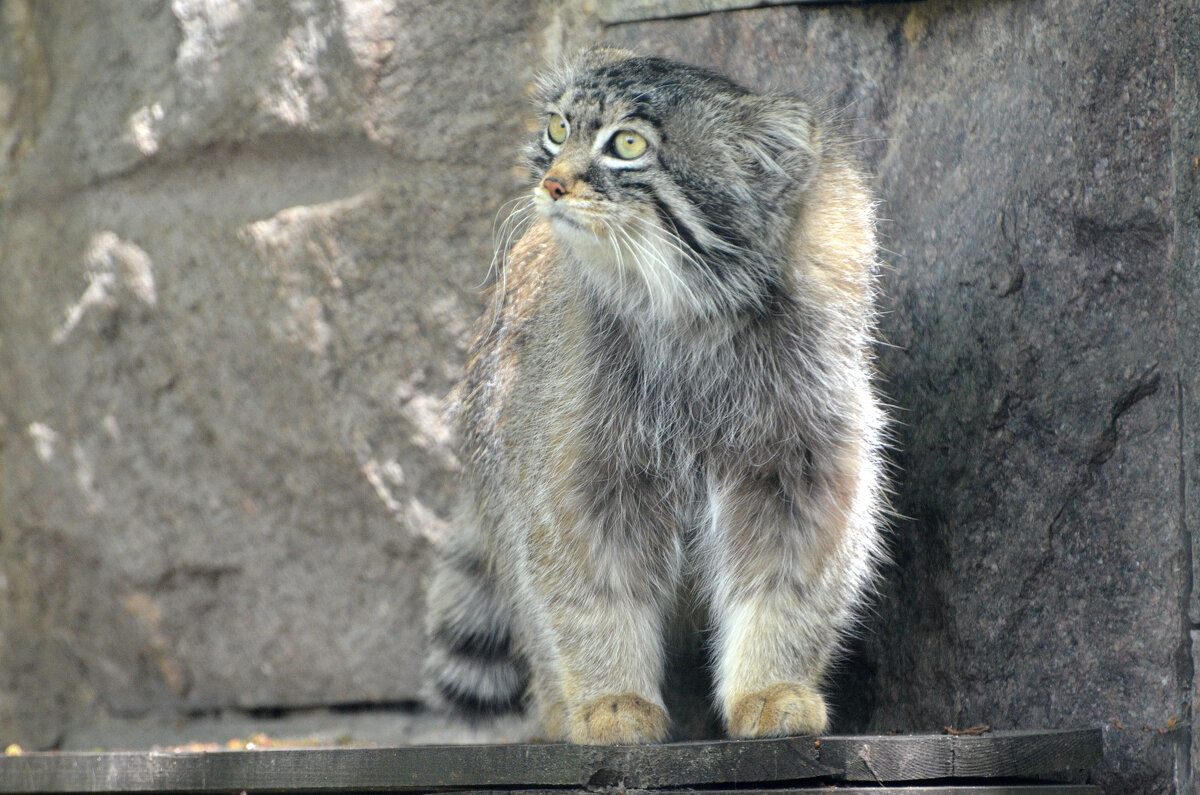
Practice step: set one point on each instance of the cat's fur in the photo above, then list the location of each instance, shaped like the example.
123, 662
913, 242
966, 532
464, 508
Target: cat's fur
673, 387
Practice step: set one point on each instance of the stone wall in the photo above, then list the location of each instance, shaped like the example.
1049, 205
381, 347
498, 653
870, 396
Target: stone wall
240, 246
1042, 348
241, 249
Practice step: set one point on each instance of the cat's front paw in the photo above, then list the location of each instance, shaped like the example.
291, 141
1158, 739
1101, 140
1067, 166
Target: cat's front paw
777, 711
618, 720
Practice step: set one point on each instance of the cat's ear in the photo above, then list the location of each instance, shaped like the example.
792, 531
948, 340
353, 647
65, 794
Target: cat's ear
781, 138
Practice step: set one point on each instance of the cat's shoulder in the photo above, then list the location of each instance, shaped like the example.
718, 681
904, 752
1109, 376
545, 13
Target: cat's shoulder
835, 239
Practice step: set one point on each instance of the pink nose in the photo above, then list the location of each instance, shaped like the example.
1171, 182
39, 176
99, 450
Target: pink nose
555, 188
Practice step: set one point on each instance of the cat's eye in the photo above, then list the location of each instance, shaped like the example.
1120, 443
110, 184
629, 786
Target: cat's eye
628, 144
558, 128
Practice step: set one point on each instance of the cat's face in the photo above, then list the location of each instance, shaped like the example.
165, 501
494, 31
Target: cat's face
670, 187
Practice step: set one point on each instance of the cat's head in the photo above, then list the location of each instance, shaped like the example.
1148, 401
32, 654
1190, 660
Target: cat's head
673, 189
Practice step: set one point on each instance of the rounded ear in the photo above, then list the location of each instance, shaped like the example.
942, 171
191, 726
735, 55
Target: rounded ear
598, 55
781, 138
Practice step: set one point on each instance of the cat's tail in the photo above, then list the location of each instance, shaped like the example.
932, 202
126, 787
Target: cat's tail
472, 663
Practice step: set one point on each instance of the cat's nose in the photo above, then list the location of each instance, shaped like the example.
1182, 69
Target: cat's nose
555, 188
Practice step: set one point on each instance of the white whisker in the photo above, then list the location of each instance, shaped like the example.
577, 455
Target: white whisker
512, 228
655, 265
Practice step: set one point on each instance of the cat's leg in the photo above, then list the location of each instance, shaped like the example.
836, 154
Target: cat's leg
786, 554
600, 582
547, 702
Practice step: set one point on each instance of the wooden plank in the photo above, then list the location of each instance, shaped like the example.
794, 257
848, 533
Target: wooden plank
1034, 753
947, 789
876, 759
612, 12
917, 758
895, 758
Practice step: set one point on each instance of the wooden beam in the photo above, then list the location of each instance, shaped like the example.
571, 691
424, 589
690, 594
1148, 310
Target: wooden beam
946, 789
875, 759
612, 12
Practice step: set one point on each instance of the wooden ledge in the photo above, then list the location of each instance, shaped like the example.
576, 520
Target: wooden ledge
875, 759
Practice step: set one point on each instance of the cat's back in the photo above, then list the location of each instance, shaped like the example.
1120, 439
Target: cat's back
498, 367
834, 246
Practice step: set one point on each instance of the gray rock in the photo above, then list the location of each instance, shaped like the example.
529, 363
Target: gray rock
1041, 330
241, 249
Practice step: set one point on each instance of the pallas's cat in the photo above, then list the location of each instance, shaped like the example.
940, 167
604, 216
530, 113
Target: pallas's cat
671, 394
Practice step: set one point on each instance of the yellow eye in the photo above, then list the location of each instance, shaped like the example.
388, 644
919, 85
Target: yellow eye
628, 144
557, 129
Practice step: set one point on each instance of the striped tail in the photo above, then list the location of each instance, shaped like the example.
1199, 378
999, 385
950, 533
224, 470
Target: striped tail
472, 663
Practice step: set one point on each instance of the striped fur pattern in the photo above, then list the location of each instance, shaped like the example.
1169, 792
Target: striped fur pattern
672, 394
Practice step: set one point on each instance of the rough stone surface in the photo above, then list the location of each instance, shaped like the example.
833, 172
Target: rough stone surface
1036, 351
301, 728
239, 251
241, 248
1185, 148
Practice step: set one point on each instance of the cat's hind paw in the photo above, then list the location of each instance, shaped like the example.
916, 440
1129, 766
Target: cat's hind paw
778, 711
618, 720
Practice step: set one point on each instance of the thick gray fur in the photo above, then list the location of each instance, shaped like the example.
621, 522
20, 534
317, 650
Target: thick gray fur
671, 395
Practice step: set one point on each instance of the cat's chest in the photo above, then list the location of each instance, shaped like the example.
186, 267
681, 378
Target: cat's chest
666, 399
669, 407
